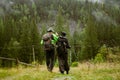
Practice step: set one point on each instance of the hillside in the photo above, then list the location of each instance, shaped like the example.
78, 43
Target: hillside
93, 29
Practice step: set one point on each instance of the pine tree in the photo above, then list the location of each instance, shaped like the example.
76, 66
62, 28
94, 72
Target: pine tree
26, 43
90, 44
35, 37
59, 20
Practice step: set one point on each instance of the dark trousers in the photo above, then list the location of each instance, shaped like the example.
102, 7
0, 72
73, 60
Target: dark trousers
50, 59
63, 61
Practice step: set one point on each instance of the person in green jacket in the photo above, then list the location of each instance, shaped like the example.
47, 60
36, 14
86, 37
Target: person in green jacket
49, 41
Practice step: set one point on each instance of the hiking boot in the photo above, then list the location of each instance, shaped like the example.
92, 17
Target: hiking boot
67, 72
49, 70
62, 72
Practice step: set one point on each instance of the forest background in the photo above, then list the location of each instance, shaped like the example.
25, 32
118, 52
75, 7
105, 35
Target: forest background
93, 29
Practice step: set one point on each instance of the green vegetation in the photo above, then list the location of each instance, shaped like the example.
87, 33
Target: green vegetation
93, 31
85, 71
89, 26
75, 64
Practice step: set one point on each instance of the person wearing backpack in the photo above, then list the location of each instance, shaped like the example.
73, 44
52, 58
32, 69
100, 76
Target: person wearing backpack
62, 46
49, 40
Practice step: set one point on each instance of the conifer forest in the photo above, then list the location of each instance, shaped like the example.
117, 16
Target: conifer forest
93, 29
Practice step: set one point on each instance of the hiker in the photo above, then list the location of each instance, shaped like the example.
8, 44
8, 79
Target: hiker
62, 46
49, 40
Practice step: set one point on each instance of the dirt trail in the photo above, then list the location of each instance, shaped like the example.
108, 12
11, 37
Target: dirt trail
24, 71
64, 78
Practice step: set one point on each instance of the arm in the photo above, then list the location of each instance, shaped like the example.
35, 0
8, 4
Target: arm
54, 38
67, 43
41, 42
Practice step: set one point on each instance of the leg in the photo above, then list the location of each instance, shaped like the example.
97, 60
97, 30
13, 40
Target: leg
61, 64
66, 65
61, 60
48, 60
67, 68
52, 56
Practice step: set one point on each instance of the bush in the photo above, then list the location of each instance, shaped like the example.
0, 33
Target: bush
98, 58
74, 64
101, 56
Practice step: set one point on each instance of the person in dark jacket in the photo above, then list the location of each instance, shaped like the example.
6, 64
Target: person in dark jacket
49, 40
62, 46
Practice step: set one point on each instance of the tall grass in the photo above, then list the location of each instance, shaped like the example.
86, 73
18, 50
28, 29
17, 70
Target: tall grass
85, 71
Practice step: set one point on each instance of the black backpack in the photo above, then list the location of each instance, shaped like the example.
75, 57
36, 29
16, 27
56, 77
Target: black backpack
61, 45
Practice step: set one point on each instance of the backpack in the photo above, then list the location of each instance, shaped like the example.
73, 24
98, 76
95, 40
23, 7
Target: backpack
47, 41
61, 45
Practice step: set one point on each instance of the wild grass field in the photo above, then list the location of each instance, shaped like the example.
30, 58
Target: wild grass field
85, 71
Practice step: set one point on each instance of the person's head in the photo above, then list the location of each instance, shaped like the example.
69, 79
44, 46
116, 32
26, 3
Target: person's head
63, 33
50, 29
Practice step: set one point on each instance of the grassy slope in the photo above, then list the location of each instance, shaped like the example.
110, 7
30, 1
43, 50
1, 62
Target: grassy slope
85, 71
